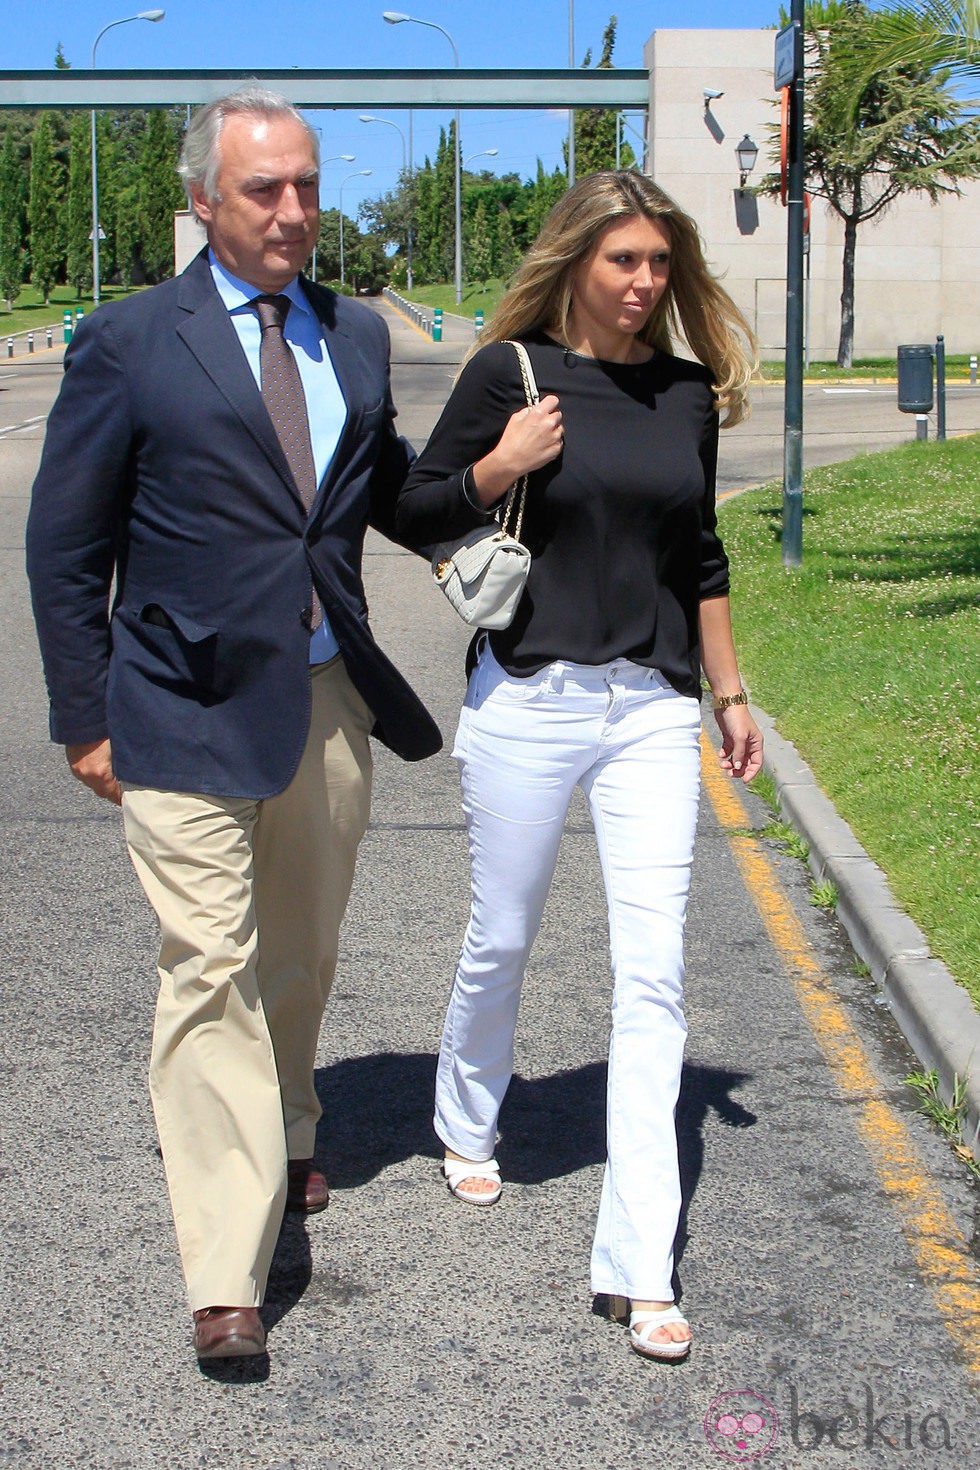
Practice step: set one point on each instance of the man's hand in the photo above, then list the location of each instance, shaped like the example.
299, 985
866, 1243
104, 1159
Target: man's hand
91, 764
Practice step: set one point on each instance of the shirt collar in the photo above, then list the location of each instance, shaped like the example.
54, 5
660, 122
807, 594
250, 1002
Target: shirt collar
236, 293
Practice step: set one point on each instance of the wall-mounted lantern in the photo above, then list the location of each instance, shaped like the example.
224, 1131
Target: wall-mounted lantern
746, 152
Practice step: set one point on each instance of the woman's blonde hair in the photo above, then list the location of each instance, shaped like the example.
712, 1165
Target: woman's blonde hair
695, 306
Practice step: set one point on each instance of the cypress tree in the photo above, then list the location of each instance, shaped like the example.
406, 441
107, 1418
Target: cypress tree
507, 254
479, 260
11, 221
160, 193
42, 210
78, 245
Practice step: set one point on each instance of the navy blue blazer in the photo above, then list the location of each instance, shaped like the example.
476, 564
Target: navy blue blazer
162, 475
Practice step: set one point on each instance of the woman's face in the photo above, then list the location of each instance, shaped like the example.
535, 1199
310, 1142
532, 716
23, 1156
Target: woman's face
620, 282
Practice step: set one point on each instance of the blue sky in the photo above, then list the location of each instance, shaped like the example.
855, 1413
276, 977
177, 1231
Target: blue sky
491, 33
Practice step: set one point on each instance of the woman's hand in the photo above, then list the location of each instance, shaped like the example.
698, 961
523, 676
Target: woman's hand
741, 742
532, 437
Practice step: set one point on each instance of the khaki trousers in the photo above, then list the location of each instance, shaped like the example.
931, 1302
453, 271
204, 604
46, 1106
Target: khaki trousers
250, 896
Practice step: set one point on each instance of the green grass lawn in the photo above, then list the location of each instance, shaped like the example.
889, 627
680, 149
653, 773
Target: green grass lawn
30, 311
485, 296
866, 657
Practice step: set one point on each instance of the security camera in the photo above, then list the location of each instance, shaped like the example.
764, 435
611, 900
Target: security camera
710, 96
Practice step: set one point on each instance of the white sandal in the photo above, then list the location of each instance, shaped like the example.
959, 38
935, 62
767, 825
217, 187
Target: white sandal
644, 1323
457, 1170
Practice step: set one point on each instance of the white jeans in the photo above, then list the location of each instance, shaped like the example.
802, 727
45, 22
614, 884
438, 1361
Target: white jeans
631, 742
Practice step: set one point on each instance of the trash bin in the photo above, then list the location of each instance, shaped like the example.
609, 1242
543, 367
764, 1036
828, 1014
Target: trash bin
915, 378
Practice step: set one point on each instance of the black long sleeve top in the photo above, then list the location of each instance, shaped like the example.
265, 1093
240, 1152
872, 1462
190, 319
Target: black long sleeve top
621, 527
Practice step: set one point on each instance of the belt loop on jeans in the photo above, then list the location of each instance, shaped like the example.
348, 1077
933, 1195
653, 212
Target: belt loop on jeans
555, 681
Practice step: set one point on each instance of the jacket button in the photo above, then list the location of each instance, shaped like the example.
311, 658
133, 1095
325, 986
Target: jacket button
306, 618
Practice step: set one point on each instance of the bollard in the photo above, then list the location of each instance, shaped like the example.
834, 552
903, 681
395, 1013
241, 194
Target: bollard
973, 370
437, 324
30, 341
66, 326
49, 337
477, 322
79, 313
10, 346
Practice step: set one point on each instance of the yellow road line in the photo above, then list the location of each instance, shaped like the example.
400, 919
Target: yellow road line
414, 325
936, 1241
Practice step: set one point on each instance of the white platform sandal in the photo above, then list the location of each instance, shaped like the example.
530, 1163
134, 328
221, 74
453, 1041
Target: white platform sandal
458, 1170
645, 1322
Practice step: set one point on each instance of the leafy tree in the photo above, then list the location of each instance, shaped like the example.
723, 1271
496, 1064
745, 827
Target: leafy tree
390, 217
328, 243
908, 135
42, 209
78, 264
160, 193
595, 127
11, 221
365, 263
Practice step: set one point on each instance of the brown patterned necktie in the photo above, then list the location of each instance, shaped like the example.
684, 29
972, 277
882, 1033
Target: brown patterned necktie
282, 393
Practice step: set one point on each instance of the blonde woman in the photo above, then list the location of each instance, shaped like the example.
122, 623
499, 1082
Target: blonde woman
597, 681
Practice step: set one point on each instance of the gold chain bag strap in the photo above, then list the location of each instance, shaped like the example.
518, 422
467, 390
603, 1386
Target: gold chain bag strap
484, 574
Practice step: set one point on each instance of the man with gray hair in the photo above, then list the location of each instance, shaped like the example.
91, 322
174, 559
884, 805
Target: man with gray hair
219, 445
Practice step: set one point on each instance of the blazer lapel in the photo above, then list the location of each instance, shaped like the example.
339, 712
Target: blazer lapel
208, 331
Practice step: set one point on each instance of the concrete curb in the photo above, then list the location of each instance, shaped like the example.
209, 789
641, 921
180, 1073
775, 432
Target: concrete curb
935, 1014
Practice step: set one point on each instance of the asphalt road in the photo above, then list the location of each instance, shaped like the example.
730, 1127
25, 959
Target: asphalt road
827, 1231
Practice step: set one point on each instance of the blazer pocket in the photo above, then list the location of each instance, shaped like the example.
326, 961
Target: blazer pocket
172, 651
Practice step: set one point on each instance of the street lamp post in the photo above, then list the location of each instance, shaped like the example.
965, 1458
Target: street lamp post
394, 18
368, 117
336, 158
360, 173
141, 15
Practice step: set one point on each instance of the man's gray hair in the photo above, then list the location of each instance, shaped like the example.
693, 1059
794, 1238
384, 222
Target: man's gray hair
200, 160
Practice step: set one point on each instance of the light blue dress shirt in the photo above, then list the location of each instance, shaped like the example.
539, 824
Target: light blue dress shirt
325, 406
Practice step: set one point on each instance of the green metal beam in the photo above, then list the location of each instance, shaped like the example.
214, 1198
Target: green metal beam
449, 87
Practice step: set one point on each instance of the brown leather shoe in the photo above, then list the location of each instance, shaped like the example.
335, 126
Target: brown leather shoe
228, 1332
306, 1188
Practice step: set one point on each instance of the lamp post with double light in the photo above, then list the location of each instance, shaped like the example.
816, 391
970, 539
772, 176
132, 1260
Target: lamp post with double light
394, 18
407, 166
336, 158
360, 173
141, 15
483, 153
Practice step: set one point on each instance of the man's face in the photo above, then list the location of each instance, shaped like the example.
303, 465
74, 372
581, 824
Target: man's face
263, 222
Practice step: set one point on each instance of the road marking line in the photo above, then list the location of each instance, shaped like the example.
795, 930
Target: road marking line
27, 424
939, 1246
